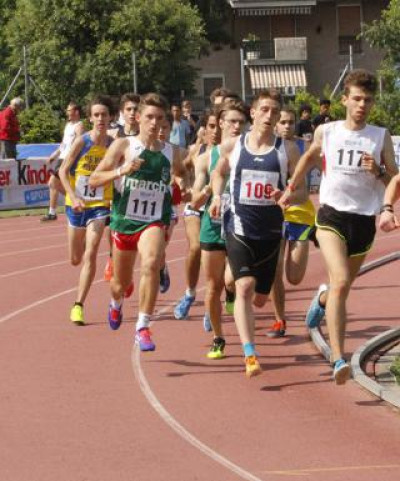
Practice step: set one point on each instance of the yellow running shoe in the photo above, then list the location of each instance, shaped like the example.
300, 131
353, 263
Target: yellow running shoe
76, 315
253, 367
217, 349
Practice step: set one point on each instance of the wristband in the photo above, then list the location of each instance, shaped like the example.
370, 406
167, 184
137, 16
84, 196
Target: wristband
387, 208
381, 173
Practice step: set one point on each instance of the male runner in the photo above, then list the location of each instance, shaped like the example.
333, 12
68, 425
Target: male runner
299, 225
192, 219
358, 161
258, 163
87, 208
141, 211
388, 220
73, 129
232, 118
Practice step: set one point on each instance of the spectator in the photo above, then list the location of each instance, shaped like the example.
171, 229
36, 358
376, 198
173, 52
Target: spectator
323, 117
192, 119
304, 128
220, 94
180, 132
9, 129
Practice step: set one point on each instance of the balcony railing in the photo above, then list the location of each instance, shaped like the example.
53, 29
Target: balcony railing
346, 41
284, 49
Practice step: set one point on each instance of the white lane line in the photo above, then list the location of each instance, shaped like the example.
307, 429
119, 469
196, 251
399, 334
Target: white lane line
172, 422
35, 249
43, 229
60, 263
42, 237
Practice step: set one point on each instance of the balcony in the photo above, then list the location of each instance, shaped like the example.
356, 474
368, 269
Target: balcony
346, 41
278, 51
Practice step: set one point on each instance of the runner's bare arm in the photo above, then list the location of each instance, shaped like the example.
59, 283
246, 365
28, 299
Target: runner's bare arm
309, 159
389, 159
201, 191
65, 168
300, 195
388, 220
80, 129
112, 166
219, 175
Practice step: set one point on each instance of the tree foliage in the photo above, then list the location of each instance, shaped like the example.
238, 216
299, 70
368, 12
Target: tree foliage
39, 125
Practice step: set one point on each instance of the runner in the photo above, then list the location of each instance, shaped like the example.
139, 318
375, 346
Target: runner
128, 107
87, 208
141, 211
299, 225
388, 220
232, 118
358, 161
73, 129
257, 163
192, 219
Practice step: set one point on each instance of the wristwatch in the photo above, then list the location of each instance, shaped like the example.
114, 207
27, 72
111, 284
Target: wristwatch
381, 173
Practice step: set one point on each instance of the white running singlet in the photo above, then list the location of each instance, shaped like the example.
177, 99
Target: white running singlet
345, 184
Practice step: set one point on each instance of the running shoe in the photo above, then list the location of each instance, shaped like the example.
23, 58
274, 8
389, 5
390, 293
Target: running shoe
129, 290
229, 302
114, 317
48, 217
277, 330
181, 310
253, 367
217, 349
143, 339
76, 315
165, 281
207, 322
315, 312
341, 372
108, 271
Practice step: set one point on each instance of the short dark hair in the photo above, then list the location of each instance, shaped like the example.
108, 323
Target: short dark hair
169, 118
224, 93
361, 78
206, 115
305, 108
101, 100
288, 109
75, 106
271, 93
129, 97
153, 100
325, 102
231, 104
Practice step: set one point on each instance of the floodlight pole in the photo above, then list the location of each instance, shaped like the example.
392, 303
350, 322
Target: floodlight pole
26, 75
10, 87
134, 72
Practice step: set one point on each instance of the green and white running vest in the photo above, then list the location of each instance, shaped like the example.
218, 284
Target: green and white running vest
144, 196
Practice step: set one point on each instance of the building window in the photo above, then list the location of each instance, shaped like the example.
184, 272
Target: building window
210, 83
349, 28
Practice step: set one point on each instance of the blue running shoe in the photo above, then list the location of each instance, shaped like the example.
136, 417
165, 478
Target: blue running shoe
143, 339
315, 312
207, 322
181, 310
165, 280
341, 372
114, 317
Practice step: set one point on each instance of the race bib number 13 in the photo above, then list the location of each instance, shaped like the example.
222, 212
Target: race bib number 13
87, 193
257, 186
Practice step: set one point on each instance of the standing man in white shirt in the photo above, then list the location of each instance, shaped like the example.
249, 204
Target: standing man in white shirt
73, 129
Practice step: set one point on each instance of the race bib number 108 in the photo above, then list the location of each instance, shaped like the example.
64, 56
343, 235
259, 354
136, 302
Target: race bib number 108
257, 186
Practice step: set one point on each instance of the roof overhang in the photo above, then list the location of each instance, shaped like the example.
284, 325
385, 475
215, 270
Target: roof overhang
277, 76
275, 7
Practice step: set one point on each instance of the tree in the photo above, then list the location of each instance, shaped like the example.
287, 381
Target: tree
79, 47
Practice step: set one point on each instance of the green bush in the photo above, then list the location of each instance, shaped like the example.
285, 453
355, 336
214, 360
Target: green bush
40, 125
395, 369
302, 97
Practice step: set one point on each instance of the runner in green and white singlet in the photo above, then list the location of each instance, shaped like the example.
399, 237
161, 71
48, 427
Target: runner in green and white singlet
140, 168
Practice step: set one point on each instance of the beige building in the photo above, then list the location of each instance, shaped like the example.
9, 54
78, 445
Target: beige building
290, 44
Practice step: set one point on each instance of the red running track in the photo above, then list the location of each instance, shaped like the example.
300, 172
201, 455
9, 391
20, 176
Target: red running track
78, 404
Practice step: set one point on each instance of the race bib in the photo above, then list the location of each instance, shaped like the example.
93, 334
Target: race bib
257, 186
144, 205
348, 160
87, 193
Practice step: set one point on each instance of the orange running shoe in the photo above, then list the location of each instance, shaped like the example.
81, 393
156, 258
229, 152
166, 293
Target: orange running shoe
108, 271
253, 367
129, 290
277, 330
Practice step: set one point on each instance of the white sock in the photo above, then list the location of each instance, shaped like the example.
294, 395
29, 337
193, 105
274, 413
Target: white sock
190, 292
52, 211
143, 321
116, 304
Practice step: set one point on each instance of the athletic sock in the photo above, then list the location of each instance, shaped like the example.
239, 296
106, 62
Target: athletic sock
249, 349
143, 321
229, 296
190, 292
78, 304
52, 211
116, 304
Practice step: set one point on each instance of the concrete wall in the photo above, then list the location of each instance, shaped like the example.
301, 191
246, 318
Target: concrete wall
324, 63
